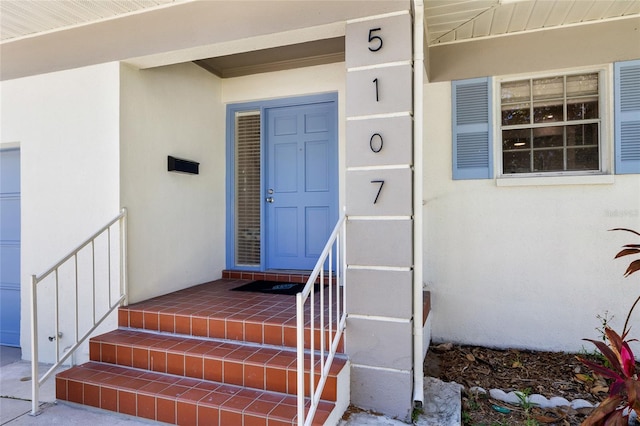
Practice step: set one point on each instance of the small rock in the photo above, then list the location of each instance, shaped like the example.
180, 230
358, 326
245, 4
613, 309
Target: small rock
498, 394
558, 401
539, 401
477, 390
512, 398
577, 404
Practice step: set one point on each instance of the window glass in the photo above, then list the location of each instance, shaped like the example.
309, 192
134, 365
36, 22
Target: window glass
516, 98
516, 139
548, 137
545, 112
551, 124
548, 88
516, 162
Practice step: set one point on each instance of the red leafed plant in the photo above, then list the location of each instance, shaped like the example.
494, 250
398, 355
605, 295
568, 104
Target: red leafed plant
624, 390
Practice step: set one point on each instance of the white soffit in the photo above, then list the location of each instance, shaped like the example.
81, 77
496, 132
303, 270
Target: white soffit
22, 18
446, 20
450, 21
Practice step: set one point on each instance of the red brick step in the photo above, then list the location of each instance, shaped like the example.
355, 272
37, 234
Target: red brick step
177, 400
263, 368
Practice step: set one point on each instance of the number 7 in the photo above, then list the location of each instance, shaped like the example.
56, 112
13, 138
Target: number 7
381, 182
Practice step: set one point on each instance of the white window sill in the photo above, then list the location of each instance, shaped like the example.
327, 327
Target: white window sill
556, 180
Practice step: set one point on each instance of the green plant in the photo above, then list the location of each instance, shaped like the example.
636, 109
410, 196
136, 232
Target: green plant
523, 396
593, 354
415, 414
473, 403
526, 405
466, 418
605, 320
624, 389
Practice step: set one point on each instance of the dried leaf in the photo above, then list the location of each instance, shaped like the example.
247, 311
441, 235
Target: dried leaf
471, 358
599, 389
443, 347
603, 410
584, 378
545, 419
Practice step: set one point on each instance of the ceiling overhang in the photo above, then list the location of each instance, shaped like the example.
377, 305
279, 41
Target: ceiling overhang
317, 52
231, 38
206, 28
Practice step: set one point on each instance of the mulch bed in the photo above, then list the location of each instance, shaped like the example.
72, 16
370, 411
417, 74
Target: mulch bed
547, 373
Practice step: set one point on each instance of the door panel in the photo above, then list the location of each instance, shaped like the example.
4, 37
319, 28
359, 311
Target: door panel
316, 164
10, 247
318, 224
300, 183
285, 171
285, 233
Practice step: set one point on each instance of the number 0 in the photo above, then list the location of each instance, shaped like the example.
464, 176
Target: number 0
375, 38
376, 148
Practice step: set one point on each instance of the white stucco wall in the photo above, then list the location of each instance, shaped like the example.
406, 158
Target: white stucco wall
526, 266
67, 126
176, 221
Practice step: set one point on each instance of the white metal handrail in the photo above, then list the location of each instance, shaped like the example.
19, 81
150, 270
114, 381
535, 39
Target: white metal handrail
330, 322
37, 381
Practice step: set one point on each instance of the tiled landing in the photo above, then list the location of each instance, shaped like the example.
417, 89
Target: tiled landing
204, 355
213, 310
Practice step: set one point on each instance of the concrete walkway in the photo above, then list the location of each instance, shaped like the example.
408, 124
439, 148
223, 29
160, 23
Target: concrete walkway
15, 399
442, 402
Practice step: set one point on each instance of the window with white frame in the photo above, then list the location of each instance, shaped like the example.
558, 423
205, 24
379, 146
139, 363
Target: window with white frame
551, 124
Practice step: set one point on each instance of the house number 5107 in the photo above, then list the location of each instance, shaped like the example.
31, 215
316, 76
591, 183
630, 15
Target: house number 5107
376, 142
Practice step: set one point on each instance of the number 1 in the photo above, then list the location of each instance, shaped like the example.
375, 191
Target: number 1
375, 81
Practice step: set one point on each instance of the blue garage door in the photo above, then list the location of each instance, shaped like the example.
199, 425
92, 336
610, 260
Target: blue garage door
10, 247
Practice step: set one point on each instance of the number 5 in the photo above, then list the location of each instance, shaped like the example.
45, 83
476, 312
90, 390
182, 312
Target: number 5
375, 38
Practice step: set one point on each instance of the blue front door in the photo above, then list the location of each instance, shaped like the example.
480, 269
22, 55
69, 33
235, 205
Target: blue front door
10, 247
300, 183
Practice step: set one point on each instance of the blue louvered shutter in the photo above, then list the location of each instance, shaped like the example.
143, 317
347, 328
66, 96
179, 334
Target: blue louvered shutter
472, 141
627, 117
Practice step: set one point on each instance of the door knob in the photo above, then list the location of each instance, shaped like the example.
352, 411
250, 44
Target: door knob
269, 199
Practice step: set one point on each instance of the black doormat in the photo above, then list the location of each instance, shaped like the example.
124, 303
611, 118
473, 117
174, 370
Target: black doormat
273, 287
